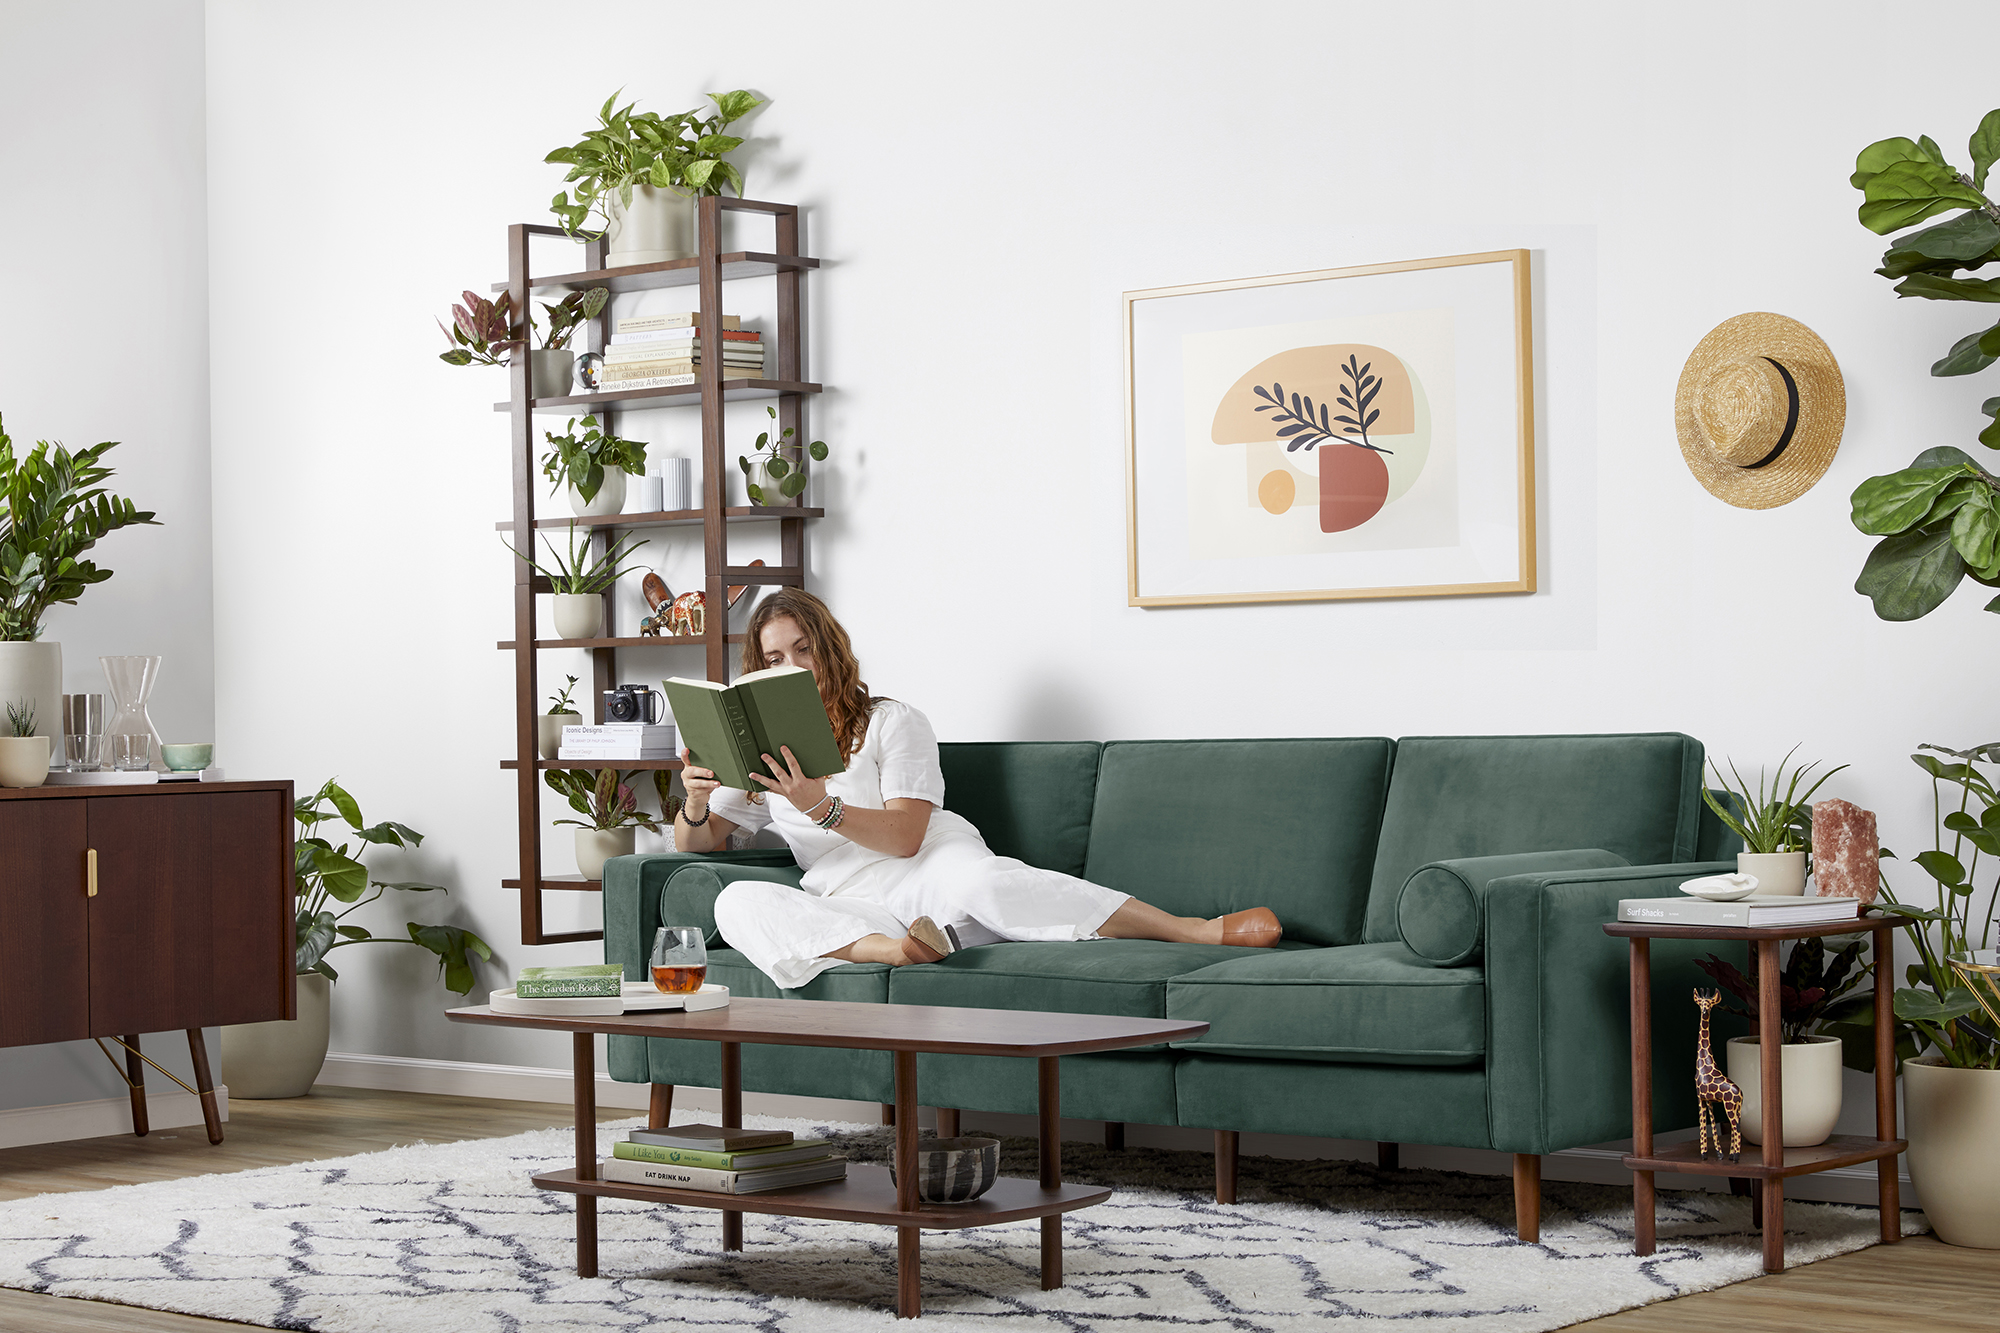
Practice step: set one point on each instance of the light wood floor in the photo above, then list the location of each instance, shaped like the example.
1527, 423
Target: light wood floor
1918, 1286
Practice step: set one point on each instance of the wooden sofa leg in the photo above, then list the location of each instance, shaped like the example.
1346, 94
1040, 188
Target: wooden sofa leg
1388, 1156
1528, 1197
660, 1106
1114, 1135
1225, 1166
947, 1122
888, 1113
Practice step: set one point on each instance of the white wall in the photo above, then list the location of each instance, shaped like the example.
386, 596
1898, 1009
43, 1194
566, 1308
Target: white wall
981, 183
103, 258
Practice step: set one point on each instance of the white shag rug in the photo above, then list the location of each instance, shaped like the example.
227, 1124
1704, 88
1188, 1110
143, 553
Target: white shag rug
453, 1239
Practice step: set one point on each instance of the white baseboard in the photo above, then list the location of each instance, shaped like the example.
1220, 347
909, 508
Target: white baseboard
102, 1116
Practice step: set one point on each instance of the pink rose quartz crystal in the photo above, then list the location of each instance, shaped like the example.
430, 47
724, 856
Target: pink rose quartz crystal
1846, 853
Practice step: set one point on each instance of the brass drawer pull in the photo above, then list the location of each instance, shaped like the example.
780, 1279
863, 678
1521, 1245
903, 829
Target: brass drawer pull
90, 871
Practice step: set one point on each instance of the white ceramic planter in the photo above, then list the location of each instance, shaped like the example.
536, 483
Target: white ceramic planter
596, 846
549, 374
283, 1057
578, 615
24, 761
610, 497
659, 226
1952, 1118
1809, 1080
548, 727
773, 497
1776, 872
33, 672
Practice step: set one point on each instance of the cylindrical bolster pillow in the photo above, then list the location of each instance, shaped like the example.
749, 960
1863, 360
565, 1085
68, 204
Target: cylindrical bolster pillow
688, 897
1441, 911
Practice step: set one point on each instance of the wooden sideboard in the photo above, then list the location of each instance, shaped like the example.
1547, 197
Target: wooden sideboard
126, 910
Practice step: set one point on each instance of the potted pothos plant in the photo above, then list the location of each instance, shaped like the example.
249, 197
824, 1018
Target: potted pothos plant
486, 333
579, 581
638, 173
1774, 819
610, 809
562, 713
775, 479
53, 509
330, 883
595, 466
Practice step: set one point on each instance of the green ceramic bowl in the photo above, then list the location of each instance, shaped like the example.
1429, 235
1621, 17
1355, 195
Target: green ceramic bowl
187, 758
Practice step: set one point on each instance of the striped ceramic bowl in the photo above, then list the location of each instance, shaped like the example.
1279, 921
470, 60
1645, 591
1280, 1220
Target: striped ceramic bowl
954, 1170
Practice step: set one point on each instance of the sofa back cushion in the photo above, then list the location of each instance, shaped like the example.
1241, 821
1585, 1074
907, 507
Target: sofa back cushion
1029, 799
1199, 828
1462, 796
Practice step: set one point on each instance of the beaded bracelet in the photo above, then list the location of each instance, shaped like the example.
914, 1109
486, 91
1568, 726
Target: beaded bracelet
833, 816
695, 823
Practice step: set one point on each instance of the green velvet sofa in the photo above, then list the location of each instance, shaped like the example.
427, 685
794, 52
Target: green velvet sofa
1444, 977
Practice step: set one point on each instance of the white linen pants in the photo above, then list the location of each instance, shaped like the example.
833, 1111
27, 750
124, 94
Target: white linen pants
956, 882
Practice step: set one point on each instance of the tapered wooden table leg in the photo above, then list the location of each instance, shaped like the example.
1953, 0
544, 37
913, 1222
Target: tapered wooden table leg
1050, 1130
1887, 1186
135, 1081
659, 1105
909, 1240
947, 1122
1771, 1100
583, 1067
1643, 1216
204, 1085
732, 1117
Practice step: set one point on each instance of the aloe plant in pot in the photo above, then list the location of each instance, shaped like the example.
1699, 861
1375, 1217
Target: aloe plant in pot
579, 581
1775, 824
24, 754
562, 713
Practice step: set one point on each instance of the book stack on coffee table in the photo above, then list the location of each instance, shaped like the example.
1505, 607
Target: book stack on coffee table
721, 1160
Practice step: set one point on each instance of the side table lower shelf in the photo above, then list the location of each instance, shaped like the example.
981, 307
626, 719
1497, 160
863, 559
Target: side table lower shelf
1838, 1151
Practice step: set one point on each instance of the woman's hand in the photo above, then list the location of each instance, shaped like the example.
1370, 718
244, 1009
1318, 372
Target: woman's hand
791, 782
700, 784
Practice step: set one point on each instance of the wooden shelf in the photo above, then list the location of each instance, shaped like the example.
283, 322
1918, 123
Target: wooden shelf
867, 1195
1838, 1151
671, 273
683, 395
636, 641
574, 883
633, 765
671, 518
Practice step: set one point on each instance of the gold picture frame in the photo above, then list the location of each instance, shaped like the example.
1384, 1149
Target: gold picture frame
1386, 517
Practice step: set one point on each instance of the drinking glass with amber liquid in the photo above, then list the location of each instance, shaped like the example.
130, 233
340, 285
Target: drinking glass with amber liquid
680, 959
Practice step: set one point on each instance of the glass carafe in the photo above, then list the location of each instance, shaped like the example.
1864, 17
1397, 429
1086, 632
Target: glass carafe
131, 680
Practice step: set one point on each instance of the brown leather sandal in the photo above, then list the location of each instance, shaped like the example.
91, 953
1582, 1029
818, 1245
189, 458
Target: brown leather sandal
927, 942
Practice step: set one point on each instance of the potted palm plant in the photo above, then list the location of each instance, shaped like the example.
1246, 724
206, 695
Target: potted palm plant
562, 713
330, 883
1775, 824
579, 581
52, 510
610, 810
594, 466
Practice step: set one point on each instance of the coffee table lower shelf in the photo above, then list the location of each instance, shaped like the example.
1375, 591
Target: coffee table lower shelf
1838, 1151
867, 1195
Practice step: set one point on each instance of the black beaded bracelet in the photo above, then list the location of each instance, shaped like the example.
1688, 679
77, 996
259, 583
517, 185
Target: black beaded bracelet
696, 823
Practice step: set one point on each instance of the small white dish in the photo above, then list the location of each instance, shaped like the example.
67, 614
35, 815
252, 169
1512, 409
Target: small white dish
1721, 888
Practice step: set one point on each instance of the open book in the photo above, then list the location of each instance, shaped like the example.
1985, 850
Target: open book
728, 727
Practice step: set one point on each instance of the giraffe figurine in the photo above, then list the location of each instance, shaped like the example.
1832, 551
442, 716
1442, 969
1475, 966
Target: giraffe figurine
1711, 1085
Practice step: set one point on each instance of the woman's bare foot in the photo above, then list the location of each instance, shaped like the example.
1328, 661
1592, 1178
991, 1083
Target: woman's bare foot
926, 943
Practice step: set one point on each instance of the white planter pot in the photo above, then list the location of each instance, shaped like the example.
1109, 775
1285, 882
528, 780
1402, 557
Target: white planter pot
1952, 1119
1776, 872
579, 615
773, 497
659, 226
596, 846
549, 374
548, 727
24, 761
33, 672
283, 1057
610, 497
1809, 1084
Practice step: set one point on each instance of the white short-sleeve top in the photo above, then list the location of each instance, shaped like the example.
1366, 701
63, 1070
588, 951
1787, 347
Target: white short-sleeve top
898, 758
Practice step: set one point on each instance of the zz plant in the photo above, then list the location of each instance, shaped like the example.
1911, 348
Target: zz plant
633, 148
52, 510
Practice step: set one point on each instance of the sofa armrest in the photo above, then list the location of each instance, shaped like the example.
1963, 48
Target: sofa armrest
1441, 909
632, 887
1558, 1012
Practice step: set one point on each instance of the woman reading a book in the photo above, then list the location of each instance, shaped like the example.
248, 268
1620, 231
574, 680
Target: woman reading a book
891, 877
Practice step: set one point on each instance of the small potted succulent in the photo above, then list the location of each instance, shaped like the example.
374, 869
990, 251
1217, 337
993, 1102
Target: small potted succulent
610, 810
595, 466
580, 580
487, 333
774, 479
562, 713
24, 756
1775, 824
640, 173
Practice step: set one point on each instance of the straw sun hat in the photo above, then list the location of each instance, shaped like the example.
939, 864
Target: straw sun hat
1759, 410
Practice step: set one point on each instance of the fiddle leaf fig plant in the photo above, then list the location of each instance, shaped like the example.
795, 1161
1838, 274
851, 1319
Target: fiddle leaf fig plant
52, 510
633, 148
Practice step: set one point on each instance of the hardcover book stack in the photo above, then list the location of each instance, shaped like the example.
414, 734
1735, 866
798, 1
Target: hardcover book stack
618, 741
719, 1160
664, 351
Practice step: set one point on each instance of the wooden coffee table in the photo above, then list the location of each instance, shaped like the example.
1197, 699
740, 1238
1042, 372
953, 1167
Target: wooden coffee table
867, 1194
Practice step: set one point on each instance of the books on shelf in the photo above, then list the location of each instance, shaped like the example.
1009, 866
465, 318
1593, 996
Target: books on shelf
685, 350
619, 740
1759, 909
711, 1181
631, 370
729, 727
656, 337
635, 1149
648, 382
721, 1160
686, 319
716, 1138
586, 979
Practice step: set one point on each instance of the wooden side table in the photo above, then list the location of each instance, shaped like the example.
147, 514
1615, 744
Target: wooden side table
1766, 1174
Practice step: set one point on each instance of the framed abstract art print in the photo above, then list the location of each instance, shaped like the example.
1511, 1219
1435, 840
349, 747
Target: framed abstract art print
1346, 433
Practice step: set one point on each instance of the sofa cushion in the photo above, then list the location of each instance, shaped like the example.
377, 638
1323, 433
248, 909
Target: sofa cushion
1441, 912
1464, 796
1124, 977
1029, 799
1199, 828
1358, 1003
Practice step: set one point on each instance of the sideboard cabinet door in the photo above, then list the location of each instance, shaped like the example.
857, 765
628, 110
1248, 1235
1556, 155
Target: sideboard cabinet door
192, 923
44, 931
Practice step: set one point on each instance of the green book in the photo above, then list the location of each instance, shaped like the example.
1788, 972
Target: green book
729, 727
785, 1154
592, 980
574, 970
